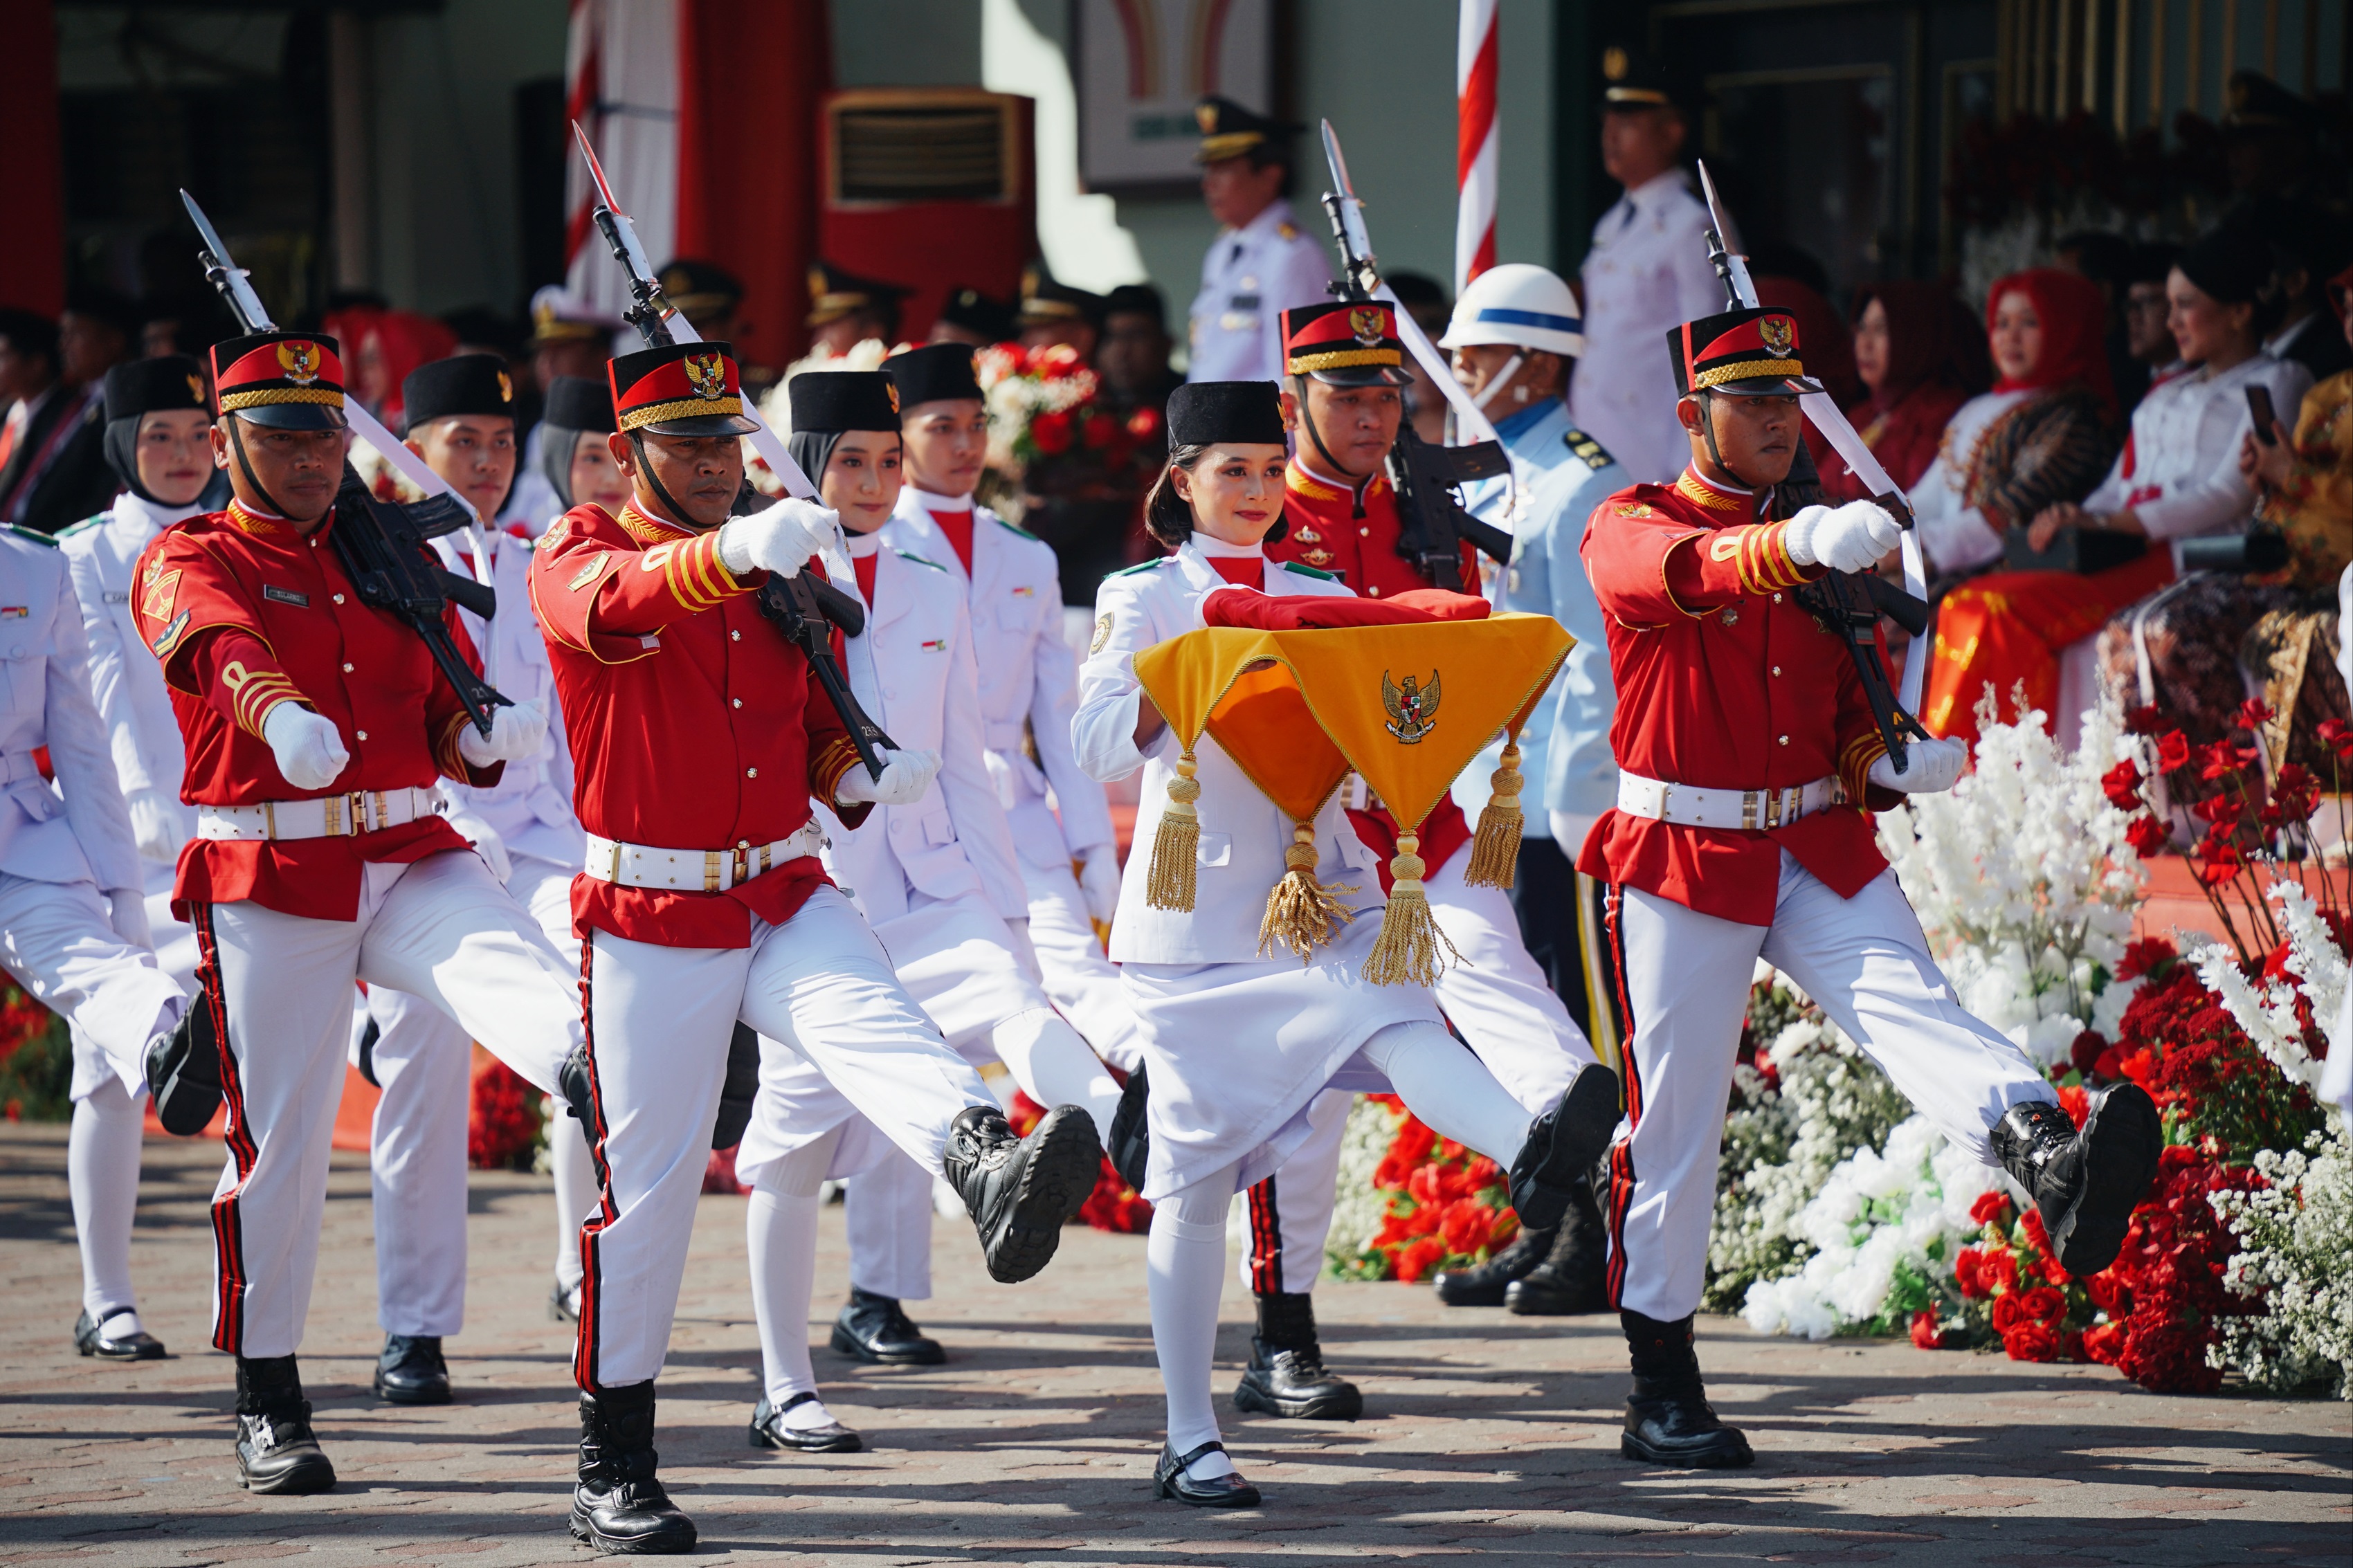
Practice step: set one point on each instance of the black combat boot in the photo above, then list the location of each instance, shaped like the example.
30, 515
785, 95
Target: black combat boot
1668, 1420
619, 1504
1483, 1284
1129, 1142
183, 1071
1286, 1374
1572, 1277
2085, 1185
872, 1328
275, 1450
738, 1091
411, 1371
1020, 1191
1562, 1146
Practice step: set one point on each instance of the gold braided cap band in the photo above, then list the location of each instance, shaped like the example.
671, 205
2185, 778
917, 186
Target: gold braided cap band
680, 408
268, 395
1337, 359
1746, 370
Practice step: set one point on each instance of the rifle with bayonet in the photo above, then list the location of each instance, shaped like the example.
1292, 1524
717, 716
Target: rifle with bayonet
804, 606
1847, 605
384, 546
1432, 520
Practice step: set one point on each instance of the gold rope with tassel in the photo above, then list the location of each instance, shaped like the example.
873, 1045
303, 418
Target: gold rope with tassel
1495, 849
1406, 951
1302, 913
1175, 845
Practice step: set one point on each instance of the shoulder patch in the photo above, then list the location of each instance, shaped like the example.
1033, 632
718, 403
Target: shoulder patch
1286, 231
920, 560
1310, 571
32, 535
1011, 527
1596, 456
84, 526
1140, 566
1633, 508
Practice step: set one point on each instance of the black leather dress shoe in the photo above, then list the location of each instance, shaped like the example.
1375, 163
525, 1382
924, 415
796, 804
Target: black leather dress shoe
183, 1071
1573, 1277
1668, 1419
1563, 1145
1021, 1192
559, 1304
1483, 1284
873, 1329
275, 1452
1169, 1480
769, 1431
137, 1345
2085, 1185
619, 1504
411, 1371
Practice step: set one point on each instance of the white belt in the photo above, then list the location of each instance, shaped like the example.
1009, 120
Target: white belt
1687, 806
328, 816
696, 870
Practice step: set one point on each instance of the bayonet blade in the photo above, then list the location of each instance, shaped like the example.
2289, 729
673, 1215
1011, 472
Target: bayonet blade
232, 279
627, 231
1734, 264
1352, 210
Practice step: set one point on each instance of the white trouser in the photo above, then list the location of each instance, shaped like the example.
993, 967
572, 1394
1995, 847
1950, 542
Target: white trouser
1082, 980
1497, 999
887, 1211
55, 941
659, 1019
441, 929
1686, 976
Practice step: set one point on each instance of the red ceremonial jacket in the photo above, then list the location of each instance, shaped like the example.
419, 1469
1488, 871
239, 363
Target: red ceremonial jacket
1325, 533
245, 612
693, 723
1723, 682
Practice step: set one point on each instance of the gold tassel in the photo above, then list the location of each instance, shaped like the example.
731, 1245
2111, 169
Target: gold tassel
1177, 844
1495, 849
1300, 913
1407, 950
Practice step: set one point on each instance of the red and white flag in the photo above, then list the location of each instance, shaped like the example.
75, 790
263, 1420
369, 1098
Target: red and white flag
1475, 142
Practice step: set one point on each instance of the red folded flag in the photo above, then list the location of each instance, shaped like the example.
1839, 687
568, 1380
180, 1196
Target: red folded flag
1306, 612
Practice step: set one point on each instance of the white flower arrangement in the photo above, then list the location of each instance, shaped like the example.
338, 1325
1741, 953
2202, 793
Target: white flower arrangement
1359, 1208
2297, 1238
2267, 1010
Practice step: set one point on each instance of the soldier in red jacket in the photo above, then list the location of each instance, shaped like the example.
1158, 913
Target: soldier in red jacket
1749, 765
315, 726
699, 736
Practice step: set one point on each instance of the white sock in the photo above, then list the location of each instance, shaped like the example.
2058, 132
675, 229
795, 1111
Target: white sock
1451, 1090
102, 1173
1185, 1265
780, 1231
1054, 1066
575, 1196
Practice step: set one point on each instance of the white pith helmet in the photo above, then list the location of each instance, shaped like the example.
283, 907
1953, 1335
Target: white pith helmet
1518, 304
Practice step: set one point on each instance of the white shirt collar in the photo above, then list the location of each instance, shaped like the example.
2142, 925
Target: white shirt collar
1276, 213
156, 517
1648, 193
862, 545
930, 502
1217, 547
2276, 346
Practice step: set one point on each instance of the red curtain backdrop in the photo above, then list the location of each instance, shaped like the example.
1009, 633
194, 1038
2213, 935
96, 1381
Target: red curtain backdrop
32, 198
750, 72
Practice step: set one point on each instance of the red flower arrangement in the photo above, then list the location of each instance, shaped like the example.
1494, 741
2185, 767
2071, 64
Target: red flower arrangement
1448, 1207
503, 1132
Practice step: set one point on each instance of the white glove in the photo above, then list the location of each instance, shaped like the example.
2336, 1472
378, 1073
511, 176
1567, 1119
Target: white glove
482, 836
779, 538
1931, 767
1099, 881
1568, 830
126, 912
905, 776
154, 824
1025, 952
1851, 538
310, 751
517, 731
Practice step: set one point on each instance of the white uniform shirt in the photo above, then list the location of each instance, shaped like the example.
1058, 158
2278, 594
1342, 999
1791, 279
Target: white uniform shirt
1535, 439
85, 837
1243, 834
2180, 468
953, 842
1029, 676
1248, 277
1647, 274
125, 680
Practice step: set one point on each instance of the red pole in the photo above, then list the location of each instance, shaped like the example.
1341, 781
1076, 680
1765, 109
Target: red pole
32, 199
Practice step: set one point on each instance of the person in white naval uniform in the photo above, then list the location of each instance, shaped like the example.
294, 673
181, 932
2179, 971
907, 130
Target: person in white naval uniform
1515, 335
937, 882
1646, 274
157, 443
1262, 262
1028, 689
1238, 1044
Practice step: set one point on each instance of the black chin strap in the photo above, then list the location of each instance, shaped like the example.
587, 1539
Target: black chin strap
1308, 419
678, 513
245, 467
1707, 429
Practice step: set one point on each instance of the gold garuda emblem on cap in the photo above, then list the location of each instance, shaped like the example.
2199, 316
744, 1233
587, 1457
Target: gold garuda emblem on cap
1412, 707
1613, 63
1205, 115
196, 387
300, 361
707, 374
506, 387
1776, 332
891, 391
1365, 320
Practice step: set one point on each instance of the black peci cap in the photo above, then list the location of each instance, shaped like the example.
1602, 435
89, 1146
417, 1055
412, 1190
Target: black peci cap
576, 403
835, 400
1239, 413
153, 386
932, 373
462, 383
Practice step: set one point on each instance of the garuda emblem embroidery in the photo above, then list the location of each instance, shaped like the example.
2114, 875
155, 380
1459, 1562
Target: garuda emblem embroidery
300, 361
1776, 332
1365, 320
1412, 707
707, 374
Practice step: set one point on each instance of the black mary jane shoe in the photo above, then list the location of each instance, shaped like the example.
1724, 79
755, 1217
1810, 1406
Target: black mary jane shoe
137, 1346
411, 1371
874, 1329
769, 1431
1169, 1480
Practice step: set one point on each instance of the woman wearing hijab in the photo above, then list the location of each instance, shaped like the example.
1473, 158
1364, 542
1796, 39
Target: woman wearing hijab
1914, 353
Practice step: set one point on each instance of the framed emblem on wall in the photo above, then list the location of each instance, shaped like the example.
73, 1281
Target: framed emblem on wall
1141, 66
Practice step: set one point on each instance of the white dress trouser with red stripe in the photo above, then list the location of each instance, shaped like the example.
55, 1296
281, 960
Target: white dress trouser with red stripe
441, 929
1686, 979
659, 1019
1497, 999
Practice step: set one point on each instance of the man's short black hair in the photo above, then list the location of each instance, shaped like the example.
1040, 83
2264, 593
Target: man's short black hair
30, 333
1137, 300
107, 305
2100, 256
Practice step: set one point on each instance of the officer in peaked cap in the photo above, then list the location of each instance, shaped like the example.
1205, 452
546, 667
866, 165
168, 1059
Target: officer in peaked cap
1262, 262
969, 316
705, 293
1053, 311
845, 310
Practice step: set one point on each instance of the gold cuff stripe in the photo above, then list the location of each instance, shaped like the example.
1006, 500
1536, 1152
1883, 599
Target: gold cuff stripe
255, 700
1765, 565
446, 754
1746, 369
1339, 358
680, 408
829, 766
690, 569
232, 401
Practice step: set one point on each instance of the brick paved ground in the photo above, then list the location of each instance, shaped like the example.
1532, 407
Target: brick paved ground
1493, 1440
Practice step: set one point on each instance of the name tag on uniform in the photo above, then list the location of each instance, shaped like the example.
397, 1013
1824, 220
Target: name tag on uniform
1243, 303
113, 598
286, 595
